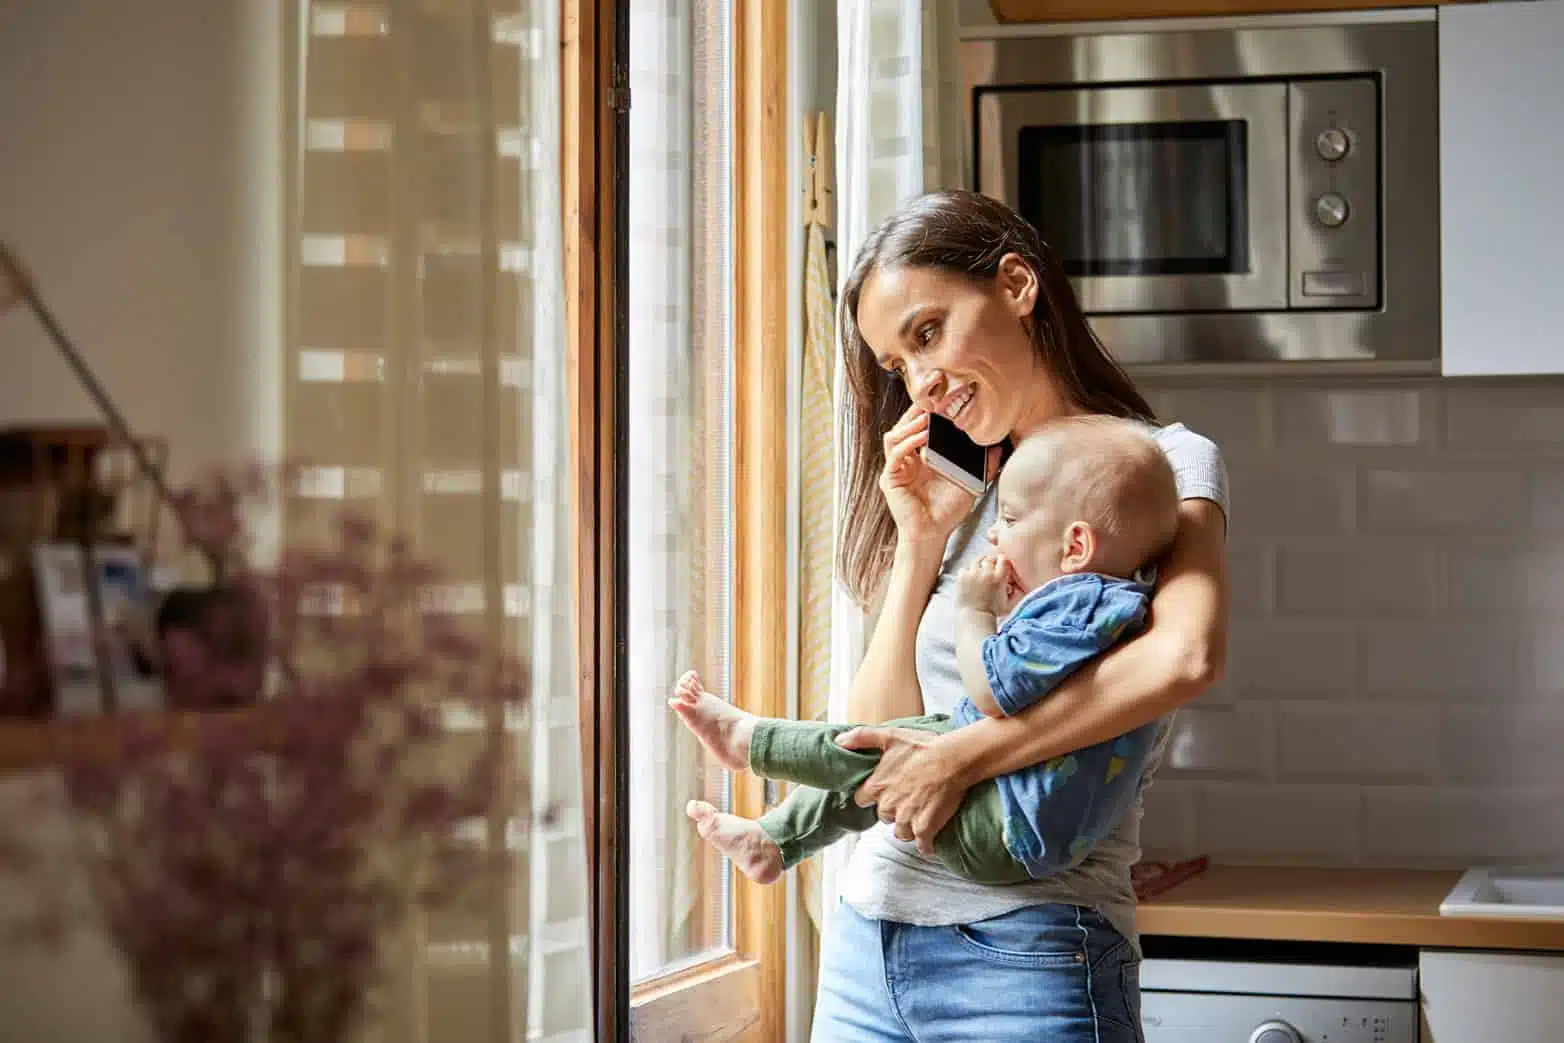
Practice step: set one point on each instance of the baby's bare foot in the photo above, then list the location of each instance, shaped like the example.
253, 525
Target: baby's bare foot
752, 852
721, 727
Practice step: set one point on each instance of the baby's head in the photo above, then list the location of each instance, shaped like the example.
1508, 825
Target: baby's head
1085, 494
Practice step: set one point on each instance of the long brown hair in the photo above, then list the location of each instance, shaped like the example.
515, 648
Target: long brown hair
963, 234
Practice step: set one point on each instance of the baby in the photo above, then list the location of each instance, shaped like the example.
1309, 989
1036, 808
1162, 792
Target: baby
1085, 506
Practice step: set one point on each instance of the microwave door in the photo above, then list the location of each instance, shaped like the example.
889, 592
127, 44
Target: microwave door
1156, 199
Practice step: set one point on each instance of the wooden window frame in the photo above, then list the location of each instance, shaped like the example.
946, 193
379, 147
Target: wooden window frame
592, 150
739, 996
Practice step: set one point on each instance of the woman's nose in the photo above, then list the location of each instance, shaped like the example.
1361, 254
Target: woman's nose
925, 385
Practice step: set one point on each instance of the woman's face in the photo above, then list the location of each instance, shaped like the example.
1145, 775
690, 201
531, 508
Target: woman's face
961, 346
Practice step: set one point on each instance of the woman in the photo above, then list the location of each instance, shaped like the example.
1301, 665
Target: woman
956, 305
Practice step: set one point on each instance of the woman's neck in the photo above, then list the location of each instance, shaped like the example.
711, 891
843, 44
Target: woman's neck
1047, 407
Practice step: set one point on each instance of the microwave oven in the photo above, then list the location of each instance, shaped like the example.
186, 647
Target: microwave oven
1258, 190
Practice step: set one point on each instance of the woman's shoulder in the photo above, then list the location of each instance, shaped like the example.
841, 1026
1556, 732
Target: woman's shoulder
1197, 463
1177, 437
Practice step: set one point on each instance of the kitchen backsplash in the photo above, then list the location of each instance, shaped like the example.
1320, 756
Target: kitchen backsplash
1395, 689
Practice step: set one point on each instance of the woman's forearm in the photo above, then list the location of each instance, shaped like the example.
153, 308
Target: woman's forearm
886, 685
1112, 696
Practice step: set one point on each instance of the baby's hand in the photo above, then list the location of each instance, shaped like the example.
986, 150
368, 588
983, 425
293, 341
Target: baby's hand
984, 585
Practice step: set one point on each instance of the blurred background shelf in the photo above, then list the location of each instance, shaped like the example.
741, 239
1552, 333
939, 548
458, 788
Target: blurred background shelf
28, 746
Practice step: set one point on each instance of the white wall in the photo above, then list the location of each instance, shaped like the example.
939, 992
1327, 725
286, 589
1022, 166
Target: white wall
140, 181
1396, 688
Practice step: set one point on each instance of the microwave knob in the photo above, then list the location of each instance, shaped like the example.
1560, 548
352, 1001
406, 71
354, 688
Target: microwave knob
1275, 1032
1331, 210
1332, 144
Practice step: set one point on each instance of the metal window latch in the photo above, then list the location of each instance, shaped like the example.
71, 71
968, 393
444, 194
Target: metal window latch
771, 793
619, 99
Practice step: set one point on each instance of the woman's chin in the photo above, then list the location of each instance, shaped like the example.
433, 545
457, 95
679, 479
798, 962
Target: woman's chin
986, 435
980, 425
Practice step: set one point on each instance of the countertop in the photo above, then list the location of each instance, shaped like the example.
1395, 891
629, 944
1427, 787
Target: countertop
1376, 906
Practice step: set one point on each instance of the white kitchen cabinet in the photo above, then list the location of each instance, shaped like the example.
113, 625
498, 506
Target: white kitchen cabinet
1491, 997
1501, 162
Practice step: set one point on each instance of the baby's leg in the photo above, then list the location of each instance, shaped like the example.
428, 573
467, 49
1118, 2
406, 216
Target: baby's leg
742, 840
806, 752
721, 727
802, 752
809, 820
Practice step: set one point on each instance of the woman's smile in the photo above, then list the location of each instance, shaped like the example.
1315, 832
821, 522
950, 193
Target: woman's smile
956, 405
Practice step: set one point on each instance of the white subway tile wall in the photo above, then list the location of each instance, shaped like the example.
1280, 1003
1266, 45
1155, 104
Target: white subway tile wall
1395, 685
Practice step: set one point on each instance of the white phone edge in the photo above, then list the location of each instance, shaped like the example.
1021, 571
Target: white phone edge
950, 471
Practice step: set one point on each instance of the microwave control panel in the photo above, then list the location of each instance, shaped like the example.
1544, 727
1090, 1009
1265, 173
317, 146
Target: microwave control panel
1333, 222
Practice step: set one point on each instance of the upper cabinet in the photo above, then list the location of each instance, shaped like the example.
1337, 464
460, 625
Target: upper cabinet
1093, 10
1501, 162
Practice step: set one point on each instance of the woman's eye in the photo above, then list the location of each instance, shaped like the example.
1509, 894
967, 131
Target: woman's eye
925, 334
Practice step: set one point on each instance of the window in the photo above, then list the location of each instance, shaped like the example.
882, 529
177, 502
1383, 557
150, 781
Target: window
688, 391
680, 483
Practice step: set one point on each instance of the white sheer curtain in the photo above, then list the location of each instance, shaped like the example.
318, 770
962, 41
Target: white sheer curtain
557, 934
899, 132
392, 395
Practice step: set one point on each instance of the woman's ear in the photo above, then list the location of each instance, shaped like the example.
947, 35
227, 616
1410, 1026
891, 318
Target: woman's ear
1018, 282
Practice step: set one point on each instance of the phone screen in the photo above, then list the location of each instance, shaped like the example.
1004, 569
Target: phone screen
957, 457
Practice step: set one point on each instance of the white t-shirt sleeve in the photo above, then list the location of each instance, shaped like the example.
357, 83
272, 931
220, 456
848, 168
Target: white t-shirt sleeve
1197, 466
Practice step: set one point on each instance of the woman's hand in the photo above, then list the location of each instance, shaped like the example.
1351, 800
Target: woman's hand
926, 507
914, 784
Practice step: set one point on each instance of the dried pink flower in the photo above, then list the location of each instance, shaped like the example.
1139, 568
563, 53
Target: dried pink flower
247, 862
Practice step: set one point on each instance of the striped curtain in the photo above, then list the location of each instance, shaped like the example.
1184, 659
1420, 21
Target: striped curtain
426, 386
817, 479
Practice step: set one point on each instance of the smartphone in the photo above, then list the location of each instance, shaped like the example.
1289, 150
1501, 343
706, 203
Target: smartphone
956, 457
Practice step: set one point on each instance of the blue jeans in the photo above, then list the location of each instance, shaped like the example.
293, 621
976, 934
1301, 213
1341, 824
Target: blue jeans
1047, 972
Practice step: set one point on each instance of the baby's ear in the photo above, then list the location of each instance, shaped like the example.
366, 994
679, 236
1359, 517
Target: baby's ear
1080, 547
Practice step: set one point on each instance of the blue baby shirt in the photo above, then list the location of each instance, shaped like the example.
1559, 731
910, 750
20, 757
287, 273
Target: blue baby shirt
1056, 811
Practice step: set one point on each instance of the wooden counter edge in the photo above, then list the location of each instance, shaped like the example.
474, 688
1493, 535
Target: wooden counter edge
1428, 932
1363, 906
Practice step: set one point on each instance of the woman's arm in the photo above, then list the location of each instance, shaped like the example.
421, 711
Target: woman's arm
921, 780
886, 684
1181, 654
926, 508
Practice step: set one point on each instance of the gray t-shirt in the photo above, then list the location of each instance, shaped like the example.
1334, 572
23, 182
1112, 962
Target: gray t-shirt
887, 879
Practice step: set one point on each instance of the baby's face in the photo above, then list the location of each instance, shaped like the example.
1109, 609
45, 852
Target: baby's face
1031, 541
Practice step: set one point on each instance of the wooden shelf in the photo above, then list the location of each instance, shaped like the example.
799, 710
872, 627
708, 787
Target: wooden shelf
39, 745
1008, 11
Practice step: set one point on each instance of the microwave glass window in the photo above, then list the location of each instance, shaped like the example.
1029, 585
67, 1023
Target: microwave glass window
1139, 198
